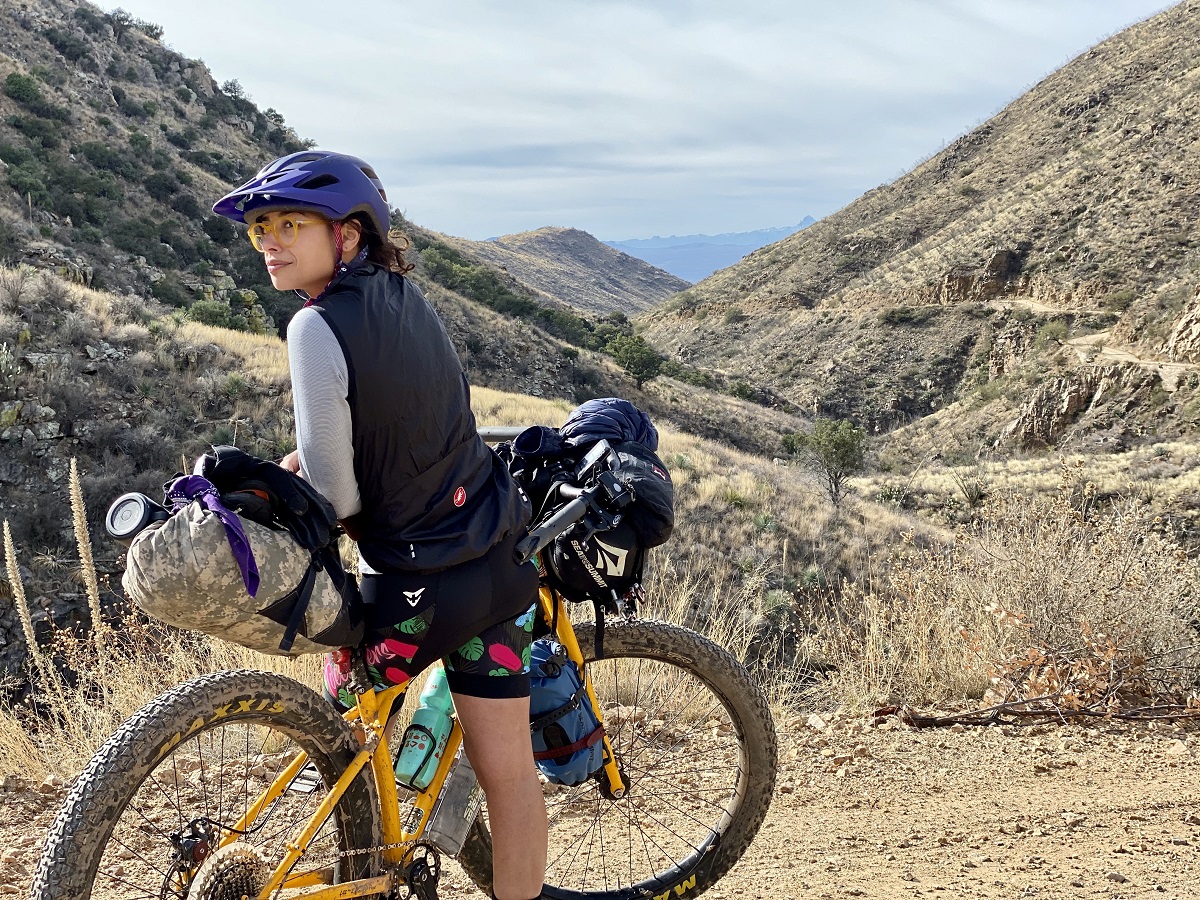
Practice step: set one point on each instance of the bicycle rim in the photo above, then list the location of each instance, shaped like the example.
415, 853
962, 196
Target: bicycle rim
136, 829
698, 760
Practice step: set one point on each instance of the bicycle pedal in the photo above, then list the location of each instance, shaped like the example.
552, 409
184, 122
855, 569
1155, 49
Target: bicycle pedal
307, 780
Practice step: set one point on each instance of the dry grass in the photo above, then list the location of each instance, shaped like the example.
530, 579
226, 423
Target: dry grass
1035, 579
1161, 475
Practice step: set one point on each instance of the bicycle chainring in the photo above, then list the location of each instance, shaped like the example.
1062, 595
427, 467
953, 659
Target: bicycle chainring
422, 868
230, 873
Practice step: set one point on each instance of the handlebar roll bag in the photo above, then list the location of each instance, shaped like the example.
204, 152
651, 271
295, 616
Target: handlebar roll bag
183, 572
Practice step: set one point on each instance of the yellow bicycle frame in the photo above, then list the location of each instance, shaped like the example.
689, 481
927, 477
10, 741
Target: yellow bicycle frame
370, 717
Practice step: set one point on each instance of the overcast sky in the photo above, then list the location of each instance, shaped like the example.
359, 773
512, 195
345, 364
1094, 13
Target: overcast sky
630, 119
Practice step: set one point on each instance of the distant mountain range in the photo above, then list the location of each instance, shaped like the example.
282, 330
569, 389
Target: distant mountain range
696, 256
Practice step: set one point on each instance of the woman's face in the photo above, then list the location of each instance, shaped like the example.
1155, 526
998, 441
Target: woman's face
306, 263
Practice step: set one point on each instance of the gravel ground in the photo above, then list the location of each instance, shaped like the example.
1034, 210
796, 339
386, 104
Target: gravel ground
890, 812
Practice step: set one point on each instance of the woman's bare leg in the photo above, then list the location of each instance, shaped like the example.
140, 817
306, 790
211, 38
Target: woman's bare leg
496, 736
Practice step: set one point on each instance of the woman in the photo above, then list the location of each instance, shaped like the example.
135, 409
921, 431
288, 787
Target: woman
384, 429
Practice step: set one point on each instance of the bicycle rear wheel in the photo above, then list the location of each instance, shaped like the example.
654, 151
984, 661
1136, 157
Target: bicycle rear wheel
156, 800
694, 737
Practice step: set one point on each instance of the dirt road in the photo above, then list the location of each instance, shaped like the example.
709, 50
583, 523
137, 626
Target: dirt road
1093, 349
1053, 812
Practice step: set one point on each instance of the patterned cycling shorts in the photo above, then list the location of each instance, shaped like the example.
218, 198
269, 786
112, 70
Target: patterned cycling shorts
477, 618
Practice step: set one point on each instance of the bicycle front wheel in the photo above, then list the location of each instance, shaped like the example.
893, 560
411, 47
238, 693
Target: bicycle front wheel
146, 817
694, 737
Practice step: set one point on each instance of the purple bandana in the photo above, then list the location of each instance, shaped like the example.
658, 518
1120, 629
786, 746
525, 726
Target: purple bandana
193, 487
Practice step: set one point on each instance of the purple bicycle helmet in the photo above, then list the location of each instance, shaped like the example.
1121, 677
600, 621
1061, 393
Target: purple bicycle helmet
333, 184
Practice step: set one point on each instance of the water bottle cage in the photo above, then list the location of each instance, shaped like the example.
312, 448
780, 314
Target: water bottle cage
418, 727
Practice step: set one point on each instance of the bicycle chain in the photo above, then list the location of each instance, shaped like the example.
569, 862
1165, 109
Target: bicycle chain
398, 845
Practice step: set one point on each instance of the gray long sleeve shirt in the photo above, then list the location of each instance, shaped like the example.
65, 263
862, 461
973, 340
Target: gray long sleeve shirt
324, 430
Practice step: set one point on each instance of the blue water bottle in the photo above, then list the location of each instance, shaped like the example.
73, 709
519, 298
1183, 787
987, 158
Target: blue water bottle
425, 739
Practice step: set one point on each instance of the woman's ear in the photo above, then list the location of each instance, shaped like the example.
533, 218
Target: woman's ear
352, 236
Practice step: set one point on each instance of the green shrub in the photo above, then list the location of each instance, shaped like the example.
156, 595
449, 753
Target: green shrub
111, 159
1052, 332
170, 290
90, 20
1120, 300
45, 131
835, 450
186, 205
27, 181
910, 316
25, 91
636, 357
70, 45
222, 231
161, 187
22, 88
88, 234
734, 315
216, 313
139, 142
741, 390
215, 163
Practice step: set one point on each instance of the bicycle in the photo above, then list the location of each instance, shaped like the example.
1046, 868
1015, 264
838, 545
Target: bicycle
249, 784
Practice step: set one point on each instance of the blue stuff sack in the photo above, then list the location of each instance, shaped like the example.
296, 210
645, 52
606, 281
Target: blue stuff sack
567, 737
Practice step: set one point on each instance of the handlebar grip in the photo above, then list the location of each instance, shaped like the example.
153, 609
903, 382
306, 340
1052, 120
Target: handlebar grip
571, 491
530, 545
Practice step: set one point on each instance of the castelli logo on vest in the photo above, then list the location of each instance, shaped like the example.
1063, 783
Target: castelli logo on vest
460, 496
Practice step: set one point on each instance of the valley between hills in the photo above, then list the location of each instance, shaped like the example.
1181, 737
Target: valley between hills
1013, 328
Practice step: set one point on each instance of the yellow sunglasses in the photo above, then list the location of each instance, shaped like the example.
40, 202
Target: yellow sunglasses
285, 229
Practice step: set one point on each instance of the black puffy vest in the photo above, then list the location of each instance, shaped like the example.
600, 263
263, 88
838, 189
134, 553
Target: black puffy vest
433, 493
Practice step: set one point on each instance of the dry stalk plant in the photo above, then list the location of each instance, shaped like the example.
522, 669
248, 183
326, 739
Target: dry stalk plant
1046, 607
88, 684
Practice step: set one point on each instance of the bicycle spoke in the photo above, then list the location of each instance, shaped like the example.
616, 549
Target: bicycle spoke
675, 833
119, 880
692, 792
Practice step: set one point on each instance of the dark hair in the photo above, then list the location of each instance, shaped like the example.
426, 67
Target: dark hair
386, 251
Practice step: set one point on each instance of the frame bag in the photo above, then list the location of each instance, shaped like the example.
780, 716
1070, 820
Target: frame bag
568, 743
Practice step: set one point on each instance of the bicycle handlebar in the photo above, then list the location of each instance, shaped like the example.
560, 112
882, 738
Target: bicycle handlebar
541, 536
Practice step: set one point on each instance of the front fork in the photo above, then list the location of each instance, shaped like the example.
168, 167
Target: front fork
554, 609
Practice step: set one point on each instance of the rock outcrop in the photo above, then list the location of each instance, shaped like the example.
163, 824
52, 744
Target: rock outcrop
1062, 401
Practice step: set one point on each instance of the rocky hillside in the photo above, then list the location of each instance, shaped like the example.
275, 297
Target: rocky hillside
571, 266
1069, 211
114, 147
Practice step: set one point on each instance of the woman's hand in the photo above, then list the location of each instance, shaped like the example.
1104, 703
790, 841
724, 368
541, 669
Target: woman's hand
291, 462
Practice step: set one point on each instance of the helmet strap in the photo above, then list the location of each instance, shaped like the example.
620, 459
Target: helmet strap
340, 267
337, 243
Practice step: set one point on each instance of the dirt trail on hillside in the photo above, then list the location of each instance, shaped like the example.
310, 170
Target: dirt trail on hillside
1048, 812
1093, 348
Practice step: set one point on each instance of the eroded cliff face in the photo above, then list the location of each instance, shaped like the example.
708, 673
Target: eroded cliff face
1092, 397
1184, 343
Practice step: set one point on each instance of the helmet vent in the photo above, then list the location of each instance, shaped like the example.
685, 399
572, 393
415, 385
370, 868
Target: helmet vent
307, 158
370, 173
318, 181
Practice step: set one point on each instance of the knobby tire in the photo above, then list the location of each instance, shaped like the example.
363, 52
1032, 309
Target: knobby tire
92, 832
703, 719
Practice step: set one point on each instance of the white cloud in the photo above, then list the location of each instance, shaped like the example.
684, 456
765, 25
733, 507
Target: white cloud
632, 118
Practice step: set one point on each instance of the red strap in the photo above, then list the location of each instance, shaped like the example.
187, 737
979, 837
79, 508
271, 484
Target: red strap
559, 752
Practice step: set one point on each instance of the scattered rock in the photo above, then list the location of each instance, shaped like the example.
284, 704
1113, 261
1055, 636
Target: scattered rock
1116, 877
